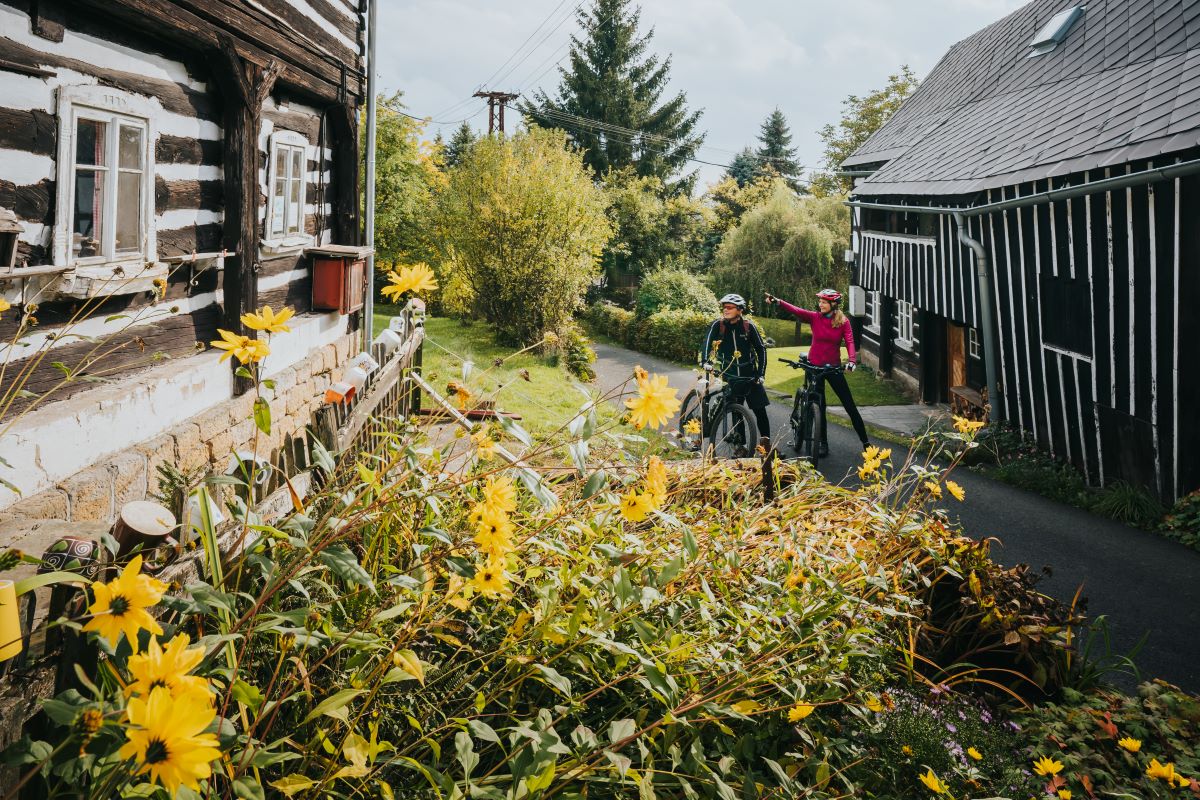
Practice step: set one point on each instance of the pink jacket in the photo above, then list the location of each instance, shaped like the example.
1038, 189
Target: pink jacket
826, 339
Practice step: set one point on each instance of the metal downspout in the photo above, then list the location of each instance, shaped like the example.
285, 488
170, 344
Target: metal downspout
983, 281
369, 211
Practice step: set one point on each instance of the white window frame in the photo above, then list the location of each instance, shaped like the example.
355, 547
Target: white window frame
873, 316
974, 345
291, 239
115, 108
905, 312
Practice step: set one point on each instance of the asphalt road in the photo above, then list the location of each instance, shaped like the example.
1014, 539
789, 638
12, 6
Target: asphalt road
1143, 583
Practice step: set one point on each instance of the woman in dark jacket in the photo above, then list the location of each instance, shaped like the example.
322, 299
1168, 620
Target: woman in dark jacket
735, 345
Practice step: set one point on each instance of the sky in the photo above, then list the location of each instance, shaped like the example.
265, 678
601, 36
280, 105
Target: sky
736, 60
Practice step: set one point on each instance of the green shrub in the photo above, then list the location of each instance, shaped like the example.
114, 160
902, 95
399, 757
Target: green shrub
1130, 504
675, 334
674, 289
609, 320
577, 352
1183, 522
1083, 732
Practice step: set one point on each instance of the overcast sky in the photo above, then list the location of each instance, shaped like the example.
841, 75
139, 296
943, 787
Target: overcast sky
735, 59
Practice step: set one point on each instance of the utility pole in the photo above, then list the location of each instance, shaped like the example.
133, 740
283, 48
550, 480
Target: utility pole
496, 101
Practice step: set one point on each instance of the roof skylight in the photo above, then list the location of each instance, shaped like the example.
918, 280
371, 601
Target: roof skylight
1055, 31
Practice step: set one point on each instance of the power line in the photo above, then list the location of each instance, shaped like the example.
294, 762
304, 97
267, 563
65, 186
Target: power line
608, 126
494, 76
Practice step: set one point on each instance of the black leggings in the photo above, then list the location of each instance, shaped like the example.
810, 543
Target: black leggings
837, 382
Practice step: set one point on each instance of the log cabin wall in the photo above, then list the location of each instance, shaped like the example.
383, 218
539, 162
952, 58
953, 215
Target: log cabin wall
1091, 300
174, 69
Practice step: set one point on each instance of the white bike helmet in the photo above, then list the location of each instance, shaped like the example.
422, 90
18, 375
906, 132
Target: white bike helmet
734, 299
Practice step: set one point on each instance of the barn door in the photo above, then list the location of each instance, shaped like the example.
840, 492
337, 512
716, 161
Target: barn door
956, 355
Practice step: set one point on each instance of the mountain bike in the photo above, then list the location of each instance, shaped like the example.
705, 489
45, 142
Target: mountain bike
710, 412
808, 410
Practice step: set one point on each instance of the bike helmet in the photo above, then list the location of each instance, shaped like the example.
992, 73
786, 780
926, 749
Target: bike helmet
734, 299
831, 296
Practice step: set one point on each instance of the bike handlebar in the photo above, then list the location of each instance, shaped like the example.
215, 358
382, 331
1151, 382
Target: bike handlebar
805, 364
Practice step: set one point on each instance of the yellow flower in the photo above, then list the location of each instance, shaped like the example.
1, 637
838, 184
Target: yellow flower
692, 427
167, 739
489, 580
935, 489
1047, 766
656, 480
1183, 782
906, 750
461, 394
975, 754
121, 604
4, 305
799, 712
794, 578
872, 702
655, 403
869, 468
500, 494
1130, 744
494, 534
160, 287
884, 455
934, 783
413, 278
964, 425
636, 505
267, 320
1165, 772
167, 667
484, 444
245, 349
1064, 794
955, 490
870, 453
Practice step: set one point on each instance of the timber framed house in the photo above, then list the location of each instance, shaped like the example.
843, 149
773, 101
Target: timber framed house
1029, 222
167, 166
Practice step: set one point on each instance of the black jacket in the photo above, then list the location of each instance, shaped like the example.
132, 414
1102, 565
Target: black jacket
740, 349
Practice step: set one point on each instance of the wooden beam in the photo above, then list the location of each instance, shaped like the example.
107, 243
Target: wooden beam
244, 85
169, 20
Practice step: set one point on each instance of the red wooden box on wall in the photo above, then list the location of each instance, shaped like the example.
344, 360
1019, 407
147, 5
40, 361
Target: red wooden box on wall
339, 277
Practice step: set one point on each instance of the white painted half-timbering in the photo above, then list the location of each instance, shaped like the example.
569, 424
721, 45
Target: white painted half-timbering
68, 436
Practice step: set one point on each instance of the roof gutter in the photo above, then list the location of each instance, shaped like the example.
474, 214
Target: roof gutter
1169, 172
983, 283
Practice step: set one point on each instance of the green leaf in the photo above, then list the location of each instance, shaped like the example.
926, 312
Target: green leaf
46, 579
334, 705
483, 731
689, 544
514, 430
670, 571
293, 784
555, 679
344, 564
465, 751
262, 415
595, 484
248, 695
621, 729
248, 789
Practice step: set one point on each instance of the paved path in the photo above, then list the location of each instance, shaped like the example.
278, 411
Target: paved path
1140, 581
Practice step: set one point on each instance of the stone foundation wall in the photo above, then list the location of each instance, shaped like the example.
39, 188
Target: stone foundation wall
205, 441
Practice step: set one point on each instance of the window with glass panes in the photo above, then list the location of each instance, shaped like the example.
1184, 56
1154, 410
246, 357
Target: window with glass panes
904, 320
287, 179
108, 186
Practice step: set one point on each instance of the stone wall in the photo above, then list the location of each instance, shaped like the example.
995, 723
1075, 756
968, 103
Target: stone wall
205, 441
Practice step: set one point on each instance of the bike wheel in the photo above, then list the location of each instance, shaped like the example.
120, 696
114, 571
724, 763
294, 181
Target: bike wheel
690, 411
814, 441
796, 421
734, 433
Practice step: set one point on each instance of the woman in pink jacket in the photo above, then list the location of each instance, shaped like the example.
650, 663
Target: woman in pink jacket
829, 329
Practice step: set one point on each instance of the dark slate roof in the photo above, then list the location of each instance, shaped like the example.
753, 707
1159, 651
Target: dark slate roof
1123, 85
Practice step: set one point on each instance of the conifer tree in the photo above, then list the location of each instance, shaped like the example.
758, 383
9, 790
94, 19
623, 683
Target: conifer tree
612, 86
744, 167
775, 149
460, 142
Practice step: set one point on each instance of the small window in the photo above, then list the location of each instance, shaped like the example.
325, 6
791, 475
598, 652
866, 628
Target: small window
107, 164
1055, 31
974, 347
904, 324
872, 311
1066, 313
287, 179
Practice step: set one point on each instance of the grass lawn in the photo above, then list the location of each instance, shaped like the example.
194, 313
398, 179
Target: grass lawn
783, 331
546, 402
868, 389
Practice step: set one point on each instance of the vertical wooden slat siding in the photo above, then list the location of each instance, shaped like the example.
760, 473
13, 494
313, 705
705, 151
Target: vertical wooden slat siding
1152, 267
1098, 454
1177, 487
1037, 213
1002, 335
1005, 271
